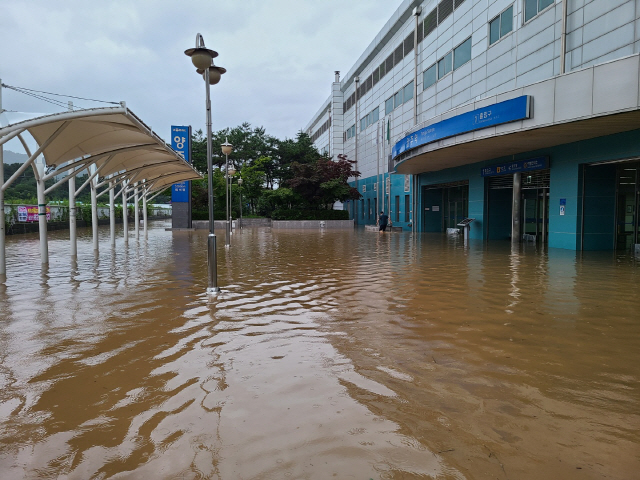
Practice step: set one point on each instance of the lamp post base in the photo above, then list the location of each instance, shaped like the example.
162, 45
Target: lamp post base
212, 264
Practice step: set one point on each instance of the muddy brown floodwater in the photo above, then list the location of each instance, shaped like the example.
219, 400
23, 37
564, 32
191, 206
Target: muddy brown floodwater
334, 354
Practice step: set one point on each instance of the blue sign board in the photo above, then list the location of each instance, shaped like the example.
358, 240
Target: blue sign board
181, 143
538, 163
504, 112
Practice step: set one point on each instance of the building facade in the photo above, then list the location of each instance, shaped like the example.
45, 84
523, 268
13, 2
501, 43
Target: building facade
522, 116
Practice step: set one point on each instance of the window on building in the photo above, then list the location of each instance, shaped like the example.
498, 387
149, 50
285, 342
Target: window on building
397, 55
408, 44
430, 22
429, 77
397, 208
388, 106
407, 208
445, 64
462, 53
383, 72
375, 115
501, 25
408, 92
397, 99
351, 131
533, 7
445, 8
376, 76
388, 63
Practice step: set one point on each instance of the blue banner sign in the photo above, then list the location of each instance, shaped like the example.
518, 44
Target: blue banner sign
181, 143
504, 112
538, 163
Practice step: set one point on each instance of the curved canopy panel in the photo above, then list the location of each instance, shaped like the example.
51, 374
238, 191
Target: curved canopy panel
112, 138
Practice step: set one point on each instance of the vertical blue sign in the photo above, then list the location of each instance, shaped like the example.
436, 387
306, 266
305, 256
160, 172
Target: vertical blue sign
181, 143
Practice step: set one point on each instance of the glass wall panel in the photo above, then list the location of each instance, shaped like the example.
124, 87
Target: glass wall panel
397, 99
542, 4
408, 92
506, 21
462, 54
530, 9
444, 65
429, 77
388, 106
494, 30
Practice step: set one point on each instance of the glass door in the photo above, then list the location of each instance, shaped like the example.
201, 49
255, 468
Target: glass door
627, 207
457, 205
535, 212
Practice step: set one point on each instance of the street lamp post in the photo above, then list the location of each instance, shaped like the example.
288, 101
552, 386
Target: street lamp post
227, 148
240, 199
202, 59
232, 172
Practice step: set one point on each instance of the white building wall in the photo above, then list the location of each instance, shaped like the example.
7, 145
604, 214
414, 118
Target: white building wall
597, 31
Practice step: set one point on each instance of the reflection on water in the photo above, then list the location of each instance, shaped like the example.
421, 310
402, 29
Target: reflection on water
329, 355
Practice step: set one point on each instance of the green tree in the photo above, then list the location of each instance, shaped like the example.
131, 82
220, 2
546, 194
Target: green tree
323, 182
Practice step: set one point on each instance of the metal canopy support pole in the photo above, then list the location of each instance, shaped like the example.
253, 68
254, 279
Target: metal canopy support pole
125, 216
136, 210
144, 215
42, 214
3, 261
94, 212
73, 237
112, 214
515, 208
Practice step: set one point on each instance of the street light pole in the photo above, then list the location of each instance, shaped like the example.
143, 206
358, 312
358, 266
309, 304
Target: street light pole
202, 59
240, 199
227, 148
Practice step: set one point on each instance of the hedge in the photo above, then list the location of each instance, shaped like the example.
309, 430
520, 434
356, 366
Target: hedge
285, 214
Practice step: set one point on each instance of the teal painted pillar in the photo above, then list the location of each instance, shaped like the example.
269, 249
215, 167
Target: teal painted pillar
564, 200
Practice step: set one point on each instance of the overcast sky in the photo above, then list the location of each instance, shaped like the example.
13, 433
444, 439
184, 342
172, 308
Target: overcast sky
280, 56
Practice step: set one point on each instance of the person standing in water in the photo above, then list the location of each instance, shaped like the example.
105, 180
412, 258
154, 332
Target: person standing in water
382, 222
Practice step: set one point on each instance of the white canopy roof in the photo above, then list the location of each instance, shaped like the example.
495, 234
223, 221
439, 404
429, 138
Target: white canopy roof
112, 138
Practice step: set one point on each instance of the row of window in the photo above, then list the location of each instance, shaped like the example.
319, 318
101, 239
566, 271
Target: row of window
323, 128
533, 7
372, 117
431, 21
350, 132
499, 27
401, 96
436, 17
371, 214
453, 60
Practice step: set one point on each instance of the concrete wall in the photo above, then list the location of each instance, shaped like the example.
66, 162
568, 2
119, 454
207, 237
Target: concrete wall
312, 224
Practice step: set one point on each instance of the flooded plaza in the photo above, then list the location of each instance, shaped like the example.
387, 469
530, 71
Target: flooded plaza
329, 354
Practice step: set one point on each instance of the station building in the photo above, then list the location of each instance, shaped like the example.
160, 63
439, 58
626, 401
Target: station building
522, 115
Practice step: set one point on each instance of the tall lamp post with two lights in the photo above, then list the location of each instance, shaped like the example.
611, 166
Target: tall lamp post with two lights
227, 148
202, 59
240, 199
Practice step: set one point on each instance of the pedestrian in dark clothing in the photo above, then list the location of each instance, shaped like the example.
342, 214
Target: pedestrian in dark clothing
382, 222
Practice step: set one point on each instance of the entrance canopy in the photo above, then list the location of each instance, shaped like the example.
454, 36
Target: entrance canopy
116, 141
588, 103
